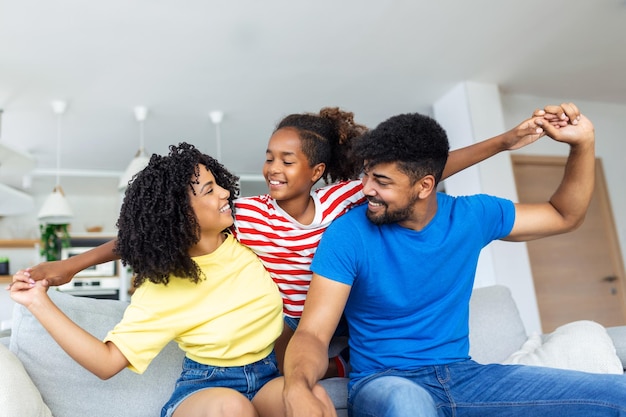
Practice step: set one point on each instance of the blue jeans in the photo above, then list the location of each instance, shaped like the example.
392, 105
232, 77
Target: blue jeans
470, 389
247, 379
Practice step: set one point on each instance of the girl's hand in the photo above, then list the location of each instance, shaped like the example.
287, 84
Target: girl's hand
559, 116
523, 134
54, 272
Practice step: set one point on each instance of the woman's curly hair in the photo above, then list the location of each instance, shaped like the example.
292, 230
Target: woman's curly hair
327, 138
416, 142
157, 225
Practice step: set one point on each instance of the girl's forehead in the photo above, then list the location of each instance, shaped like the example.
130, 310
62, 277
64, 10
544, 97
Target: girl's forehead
285, 138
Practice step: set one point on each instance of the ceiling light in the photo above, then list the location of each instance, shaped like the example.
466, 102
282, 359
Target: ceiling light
140, 161
56, 209
216, 117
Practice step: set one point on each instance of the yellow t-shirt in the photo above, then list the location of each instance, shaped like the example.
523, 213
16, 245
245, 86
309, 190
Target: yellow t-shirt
231, 318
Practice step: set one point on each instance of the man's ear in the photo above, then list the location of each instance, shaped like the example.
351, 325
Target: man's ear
427, 186
318, 171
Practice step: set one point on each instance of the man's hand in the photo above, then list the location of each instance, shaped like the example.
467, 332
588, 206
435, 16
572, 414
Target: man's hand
304, 402
559, 116
566, 208
531, 129
581, 133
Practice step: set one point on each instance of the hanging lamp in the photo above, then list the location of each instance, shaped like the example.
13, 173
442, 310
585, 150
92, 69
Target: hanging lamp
216, 118
56, 209
140, 161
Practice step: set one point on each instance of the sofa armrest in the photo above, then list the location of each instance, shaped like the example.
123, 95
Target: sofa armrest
18, 394
61, 380
618, 334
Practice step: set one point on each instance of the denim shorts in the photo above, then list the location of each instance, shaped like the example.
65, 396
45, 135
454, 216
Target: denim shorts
292, 322
247, 379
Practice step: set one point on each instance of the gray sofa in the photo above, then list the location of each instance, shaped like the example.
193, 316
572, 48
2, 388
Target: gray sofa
496, 331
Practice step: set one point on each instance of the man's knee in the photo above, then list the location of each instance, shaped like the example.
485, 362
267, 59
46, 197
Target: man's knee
393, 396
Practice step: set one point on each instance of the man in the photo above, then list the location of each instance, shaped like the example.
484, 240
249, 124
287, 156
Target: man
403, 268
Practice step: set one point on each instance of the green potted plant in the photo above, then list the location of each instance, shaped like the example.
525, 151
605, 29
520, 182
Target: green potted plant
54, 237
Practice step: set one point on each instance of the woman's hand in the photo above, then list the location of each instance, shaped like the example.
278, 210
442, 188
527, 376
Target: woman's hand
24, 290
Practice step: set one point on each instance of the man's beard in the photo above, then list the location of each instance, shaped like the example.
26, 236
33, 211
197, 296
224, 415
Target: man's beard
392, 216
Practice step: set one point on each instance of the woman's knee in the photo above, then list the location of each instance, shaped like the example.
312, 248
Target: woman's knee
218, 402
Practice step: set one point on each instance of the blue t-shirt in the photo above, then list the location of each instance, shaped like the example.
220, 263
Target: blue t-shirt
409, 302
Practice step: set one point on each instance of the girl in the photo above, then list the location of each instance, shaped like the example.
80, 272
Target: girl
195, 284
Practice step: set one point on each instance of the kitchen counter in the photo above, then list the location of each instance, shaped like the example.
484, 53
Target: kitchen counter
18, 243
21, 254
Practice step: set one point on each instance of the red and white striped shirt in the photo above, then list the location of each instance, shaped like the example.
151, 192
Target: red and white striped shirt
285, 246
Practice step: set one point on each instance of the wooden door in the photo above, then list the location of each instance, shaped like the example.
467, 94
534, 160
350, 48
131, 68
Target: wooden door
577, 275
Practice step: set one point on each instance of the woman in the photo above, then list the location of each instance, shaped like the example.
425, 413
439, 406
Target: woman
196, 285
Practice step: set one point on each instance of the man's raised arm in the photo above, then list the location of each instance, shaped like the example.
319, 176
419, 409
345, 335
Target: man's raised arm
566, 209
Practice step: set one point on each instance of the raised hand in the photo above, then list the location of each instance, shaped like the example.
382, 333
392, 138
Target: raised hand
523, 134
559, 116
25, 290
579, 133
53, 272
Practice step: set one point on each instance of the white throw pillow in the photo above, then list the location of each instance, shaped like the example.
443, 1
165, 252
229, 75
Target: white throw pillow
18, 394
581, 345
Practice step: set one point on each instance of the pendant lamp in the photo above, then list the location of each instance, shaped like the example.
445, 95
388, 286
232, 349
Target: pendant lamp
55, 209
216, 118
140, 161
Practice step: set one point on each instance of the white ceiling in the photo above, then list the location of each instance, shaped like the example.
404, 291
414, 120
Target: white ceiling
260, 60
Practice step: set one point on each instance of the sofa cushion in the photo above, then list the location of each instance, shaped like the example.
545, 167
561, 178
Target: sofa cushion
581, 345
18, 394
618, 335
496, 328
70, 390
